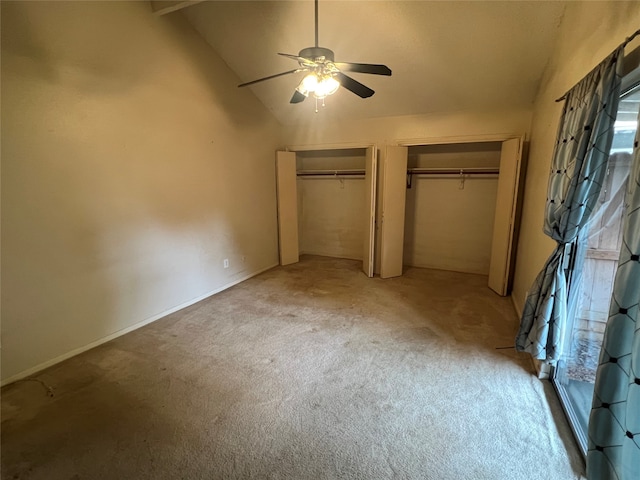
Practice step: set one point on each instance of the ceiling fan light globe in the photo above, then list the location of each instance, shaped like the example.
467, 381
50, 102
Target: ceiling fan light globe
327, 86
309, 84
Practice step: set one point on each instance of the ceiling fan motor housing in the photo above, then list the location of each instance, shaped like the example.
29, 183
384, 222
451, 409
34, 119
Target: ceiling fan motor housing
317, 54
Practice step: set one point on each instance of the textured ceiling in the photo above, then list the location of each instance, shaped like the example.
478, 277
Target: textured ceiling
445, 56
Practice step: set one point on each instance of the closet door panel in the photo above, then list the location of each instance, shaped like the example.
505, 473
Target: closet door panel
504, 220
394, 188
287, 207
370, 178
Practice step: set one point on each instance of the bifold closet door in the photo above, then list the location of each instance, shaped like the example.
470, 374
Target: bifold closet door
394, 191
370, 178
287, 198
505, 217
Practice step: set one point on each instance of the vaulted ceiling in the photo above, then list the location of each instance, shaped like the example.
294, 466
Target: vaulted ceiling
445, 56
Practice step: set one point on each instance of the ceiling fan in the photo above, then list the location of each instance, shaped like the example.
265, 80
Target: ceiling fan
325, 75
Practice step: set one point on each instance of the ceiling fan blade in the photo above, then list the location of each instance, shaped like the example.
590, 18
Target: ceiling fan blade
302, 60
271, 76
297, 97
363, 68
354, 86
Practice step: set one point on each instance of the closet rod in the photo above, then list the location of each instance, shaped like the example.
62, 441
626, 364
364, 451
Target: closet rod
452, 171
332, 173
462, 172
410, 171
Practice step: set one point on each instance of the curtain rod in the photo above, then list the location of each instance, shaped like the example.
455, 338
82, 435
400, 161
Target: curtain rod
626, 42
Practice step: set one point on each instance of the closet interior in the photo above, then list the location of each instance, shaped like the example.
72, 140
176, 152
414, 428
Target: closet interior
331, 202
450, 206
333, 207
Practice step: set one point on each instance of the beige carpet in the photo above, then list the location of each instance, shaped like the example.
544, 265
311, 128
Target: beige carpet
310, 371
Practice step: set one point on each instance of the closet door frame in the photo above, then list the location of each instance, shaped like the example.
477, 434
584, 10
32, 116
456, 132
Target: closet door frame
498, 282
369, 250
286, 198
505, 222
369, 245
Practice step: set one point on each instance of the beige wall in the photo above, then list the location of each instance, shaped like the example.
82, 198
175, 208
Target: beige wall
588, 33
131, 167
392, 130
332, 220
449, 228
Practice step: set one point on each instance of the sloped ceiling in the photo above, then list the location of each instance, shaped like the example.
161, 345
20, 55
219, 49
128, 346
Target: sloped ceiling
445, 56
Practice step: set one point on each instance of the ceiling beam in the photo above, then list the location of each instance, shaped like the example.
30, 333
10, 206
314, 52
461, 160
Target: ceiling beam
162, 7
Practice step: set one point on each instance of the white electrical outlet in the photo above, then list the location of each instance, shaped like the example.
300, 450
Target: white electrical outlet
225, 263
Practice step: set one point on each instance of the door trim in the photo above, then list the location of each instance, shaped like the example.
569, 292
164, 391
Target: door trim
329, 146
371, 178
505, 230
497, 137
287, 207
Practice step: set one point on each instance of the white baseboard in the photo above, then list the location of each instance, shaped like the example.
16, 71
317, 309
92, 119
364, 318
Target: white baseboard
30, 371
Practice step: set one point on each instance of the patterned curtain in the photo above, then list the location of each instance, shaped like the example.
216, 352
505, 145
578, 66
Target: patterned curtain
614, 424
578, 169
